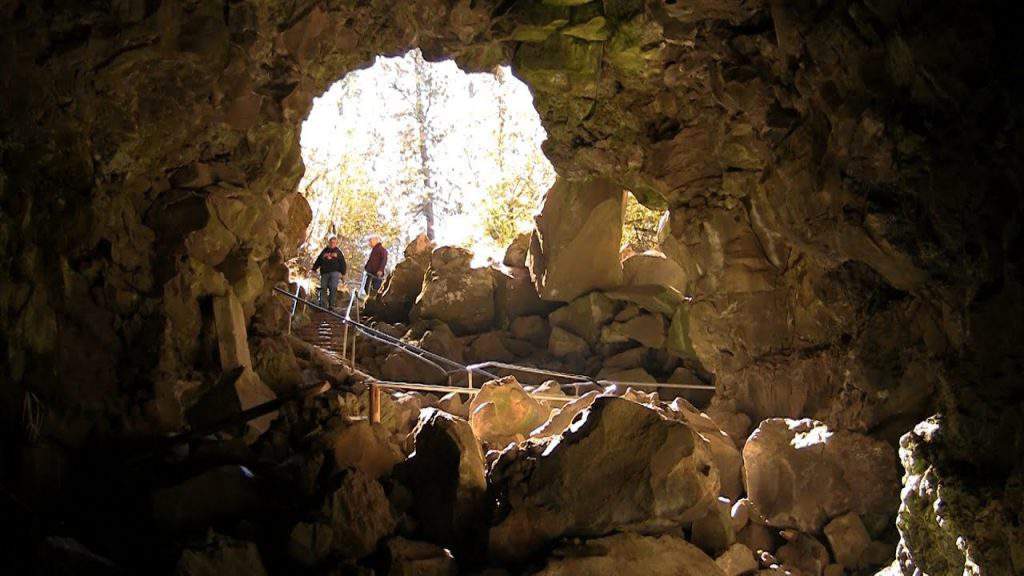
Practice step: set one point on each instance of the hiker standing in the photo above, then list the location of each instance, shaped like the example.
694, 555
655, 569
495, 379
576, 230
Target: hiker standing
375, 265
331, 263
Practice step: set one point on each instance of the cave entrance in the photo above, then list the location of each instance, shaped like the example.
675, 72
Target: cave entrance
408, 146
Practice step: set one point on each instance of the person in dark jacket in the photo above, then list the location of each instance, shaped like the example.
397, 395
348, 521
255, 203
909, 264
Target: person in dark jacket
375, 265
331, 264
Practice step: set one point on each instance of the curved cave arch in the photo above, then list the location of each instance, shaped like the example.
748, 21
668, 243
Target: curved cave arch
843, 186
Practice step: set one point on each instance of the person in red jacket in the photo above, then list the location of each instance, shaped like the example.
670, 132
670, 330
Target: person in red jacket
375, 265
331, 264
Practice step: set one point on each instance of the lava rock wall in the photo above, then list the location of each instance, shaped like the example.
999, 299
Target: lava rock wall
843, 179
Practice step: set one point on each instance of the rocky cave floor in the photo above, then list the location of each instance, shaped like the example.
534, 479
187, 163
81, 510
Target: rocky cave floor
613, 480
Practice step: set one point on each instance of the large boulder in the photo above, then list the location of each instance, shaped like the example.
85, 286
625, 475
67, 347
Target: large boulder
235, 392
223, 494
456, 294
575, 248
517, 251
414, 558
723, 450
515, 295
490, 346
396, 297
950, 526
503, 412
804, 553
276, 365
350, 523
401, 366
653, 267
585, 316
446, 477
562, 343
367, 447
561, 418
533, 329
621, 466
799, 474
220, 555
848, 540
647, 329
631, 554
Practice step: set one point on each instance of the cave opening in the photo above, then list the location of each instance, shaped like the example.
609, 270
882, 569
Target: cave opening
407, 147
850, 272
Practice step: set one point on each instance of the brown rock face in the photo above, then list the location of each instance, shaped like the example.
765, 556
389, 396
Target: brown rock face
350, 523
800, 474
632, 554
657, 474
446, 477
221, 556
460, 296
575, 248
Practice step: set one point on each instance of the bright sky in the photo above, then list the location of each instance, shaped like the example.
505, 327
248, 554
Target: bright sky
360, 120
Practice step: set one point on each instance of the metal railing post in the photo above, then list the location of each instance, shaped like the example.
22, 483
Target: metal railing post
355, 337
374, 403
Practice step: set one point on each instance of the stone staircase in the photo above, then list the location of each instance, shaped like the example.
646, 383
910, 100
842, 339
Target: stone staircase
325, 332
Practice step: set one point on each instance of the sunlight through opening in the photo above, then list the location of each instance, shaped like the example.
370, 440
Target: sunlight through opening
407, 147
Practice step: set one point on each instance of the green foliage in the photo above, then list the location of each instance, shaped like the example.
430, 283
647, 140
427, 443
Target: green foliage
348, 207
640, 226
509, 209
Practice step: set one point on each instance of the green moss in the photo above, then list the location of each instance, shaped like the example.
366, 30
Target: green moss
635, 49
593, 30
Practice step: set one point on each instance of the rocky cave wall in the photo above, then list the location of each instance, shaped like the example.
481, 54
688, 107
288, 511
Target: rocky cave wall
843, 180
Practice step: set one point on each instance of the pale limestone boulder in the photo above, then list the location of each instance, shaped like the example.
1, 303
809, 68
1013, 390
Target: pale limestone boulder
631, 554
561, 418
585, 316
737, 560
848, 539
653, 267
799, 474
575, 247
655, 475
504, 412
446, 477
367, 447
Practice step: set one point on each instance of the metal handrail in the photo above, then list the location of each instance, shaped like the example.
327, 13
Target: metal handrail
457, 389
426, 356
578, 378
